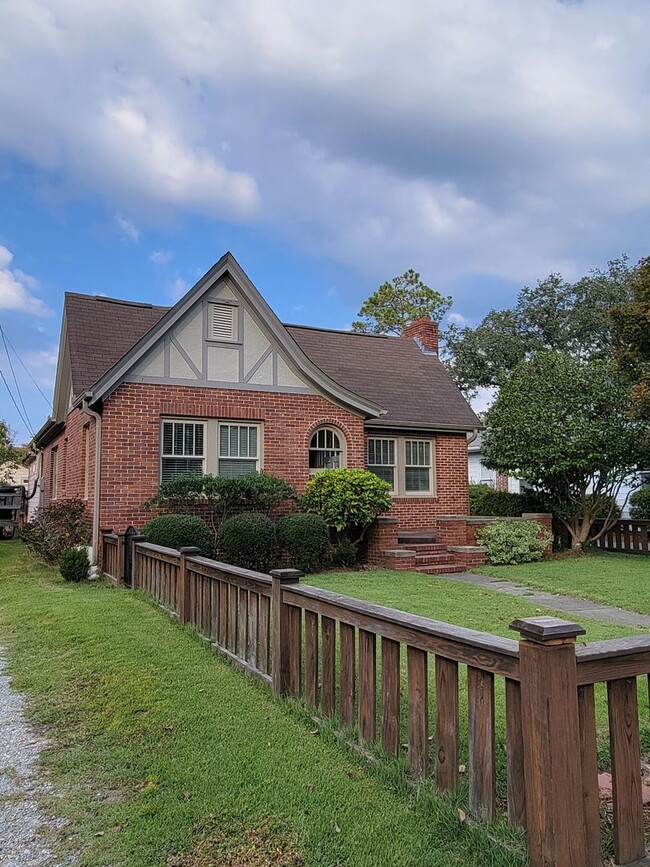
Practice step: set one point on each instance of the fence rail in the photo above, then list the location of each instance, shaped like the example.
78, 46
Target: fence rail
369, 666
629, 535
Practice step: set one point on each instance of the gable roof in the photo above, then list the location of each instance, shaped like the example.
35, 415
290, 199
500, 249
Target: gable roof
388, 379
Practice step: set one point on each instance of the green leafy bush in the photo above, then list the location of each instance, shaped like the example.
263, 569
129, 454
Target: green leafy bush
348, 500
306, 539
640, 504
476, 494
510, 542
221, 495
345, 553
55, 528
74, 564
503, 504
180, 531
248, 540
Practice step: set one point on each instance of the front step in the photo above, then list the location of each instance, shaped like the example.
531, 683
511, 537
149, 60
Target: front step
441, 569
434, 558
416, 537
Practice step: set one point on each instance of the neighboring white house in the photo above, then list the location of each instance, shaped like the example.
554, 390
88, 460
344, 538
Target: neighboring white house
480, 474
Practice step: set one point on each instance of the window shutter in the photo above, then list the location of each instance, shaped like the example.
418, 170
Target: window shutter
223, 322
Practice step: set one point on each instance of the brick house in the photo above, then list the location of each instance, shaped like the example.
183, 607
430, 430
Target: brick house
218, 384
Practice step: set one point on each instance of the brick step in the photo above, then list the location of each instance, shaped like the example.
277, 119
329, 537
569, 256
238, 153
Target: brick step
431, 548
441, 569
433, 558
414, 537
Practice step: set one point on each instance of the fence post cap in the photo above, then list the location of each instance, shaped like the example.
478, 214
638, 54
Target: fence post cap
189, 550
543, 630
288, 576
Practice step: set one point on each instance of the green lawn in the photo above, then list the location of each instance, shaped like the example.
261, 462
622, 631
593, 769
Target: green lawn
622, 580
158, 746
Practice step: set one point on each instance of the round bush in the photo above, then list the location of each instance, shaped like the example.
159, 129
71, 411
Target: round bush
347, 498
640, 504
510, 542
306, 540
346, 554
180, 531
74, 564
248, 540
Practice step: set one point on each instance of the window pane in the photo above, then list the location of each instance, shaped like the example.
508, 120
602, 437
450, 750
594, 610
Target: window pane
189, 440
252, 442
223, 440
236, 467
418, 453
178, 438
168, 438
198, 439
234, 441
417, 479
385, 473
324, 460
243, 441
172, 467
371, 452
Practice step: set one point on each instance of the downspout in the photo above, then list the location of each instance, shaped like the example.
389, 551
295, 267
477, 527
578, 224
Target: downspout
96, 492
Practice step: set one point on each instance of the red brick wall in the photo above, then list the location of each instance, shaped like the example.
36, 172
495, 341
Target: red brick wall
131, 448
131, 437
71, 464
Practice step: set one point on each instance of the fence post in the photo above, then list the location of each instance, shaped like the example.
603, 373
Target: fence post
281, 664
183, 585
551, 735
129, 556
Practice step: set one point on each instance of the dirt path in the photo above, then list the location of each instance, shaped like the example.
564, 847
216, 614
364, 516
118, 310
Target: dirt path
24, 828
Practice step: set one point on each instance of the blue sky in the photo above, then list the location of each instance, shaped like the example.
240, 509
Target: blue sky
329, 146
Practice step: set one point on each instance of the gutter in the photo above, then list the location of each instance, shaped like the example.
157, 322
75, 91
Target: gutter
96, 490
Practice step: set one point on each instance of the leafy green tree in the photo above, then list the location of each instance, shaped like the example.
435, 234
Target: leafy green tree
552, 315
563, 424
632, 339
10, 454
398, 302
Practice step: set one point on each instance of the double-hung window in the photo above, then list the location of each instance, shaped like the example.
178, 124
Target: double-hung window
381, 460
54, 472
417, 466
183, 449
239, 451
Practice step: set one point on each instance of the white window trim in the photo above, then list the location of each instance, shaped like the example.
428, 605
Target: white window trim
343, 460
163, 456
394, 466
399, 490
211, 441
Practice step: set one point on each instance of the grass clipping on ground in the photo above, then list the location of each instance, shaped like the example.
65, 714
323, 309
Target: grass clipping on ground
267, 845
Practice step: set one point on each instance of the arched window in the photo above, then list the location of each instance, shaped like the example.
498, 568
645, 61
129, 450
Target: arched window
326, 449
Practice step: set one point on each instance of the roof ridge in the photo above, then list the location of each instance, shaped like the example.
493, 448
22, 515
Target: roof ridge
109, 300
337, 330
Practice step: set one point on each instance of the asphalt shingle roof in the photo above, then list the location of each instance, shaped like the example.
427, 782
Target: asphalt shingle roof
413, 388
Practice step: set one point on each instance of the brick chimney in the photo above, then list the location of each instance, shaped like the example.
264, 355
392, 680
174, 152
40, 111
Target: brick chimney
425, 333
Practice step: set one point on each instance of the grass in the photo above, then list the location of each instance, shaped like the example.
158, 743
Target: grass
622, 580
163, 754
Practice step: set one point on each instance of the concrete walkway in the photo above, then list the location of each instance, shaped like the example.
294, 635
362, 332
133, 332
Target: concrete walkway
570, 605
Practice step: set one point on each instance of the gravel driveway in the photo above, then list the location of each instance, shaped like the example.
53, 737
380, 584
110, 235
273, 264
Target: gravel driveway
23, 825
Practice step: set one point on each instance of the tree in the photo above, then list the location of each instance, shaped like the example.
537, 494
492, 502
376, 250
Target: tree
552, 315
396, 303
632, 340
10, 454
562, 423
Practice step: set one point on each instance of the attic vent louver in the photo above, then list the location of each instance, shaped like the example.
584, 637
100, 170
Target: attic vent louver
223, 322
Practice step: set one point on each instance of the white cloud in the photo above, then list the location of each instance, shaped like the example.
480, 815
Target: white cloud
179, 288
161, 257
41, 363
458, 137
458, 319
128, 228
16, 289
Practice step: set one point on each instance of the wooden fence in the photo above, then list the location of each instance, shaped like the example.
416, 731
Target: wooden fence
629, 535
344, 656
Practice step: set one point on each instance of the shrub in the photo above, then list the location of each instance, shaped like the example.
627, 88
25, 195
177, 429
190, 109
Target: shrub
510, 542
640, 504
345, 553
74, 564
306, 539
58, 526
476, 494
348, 500
248, 540
221, 495
180, 531
503, 504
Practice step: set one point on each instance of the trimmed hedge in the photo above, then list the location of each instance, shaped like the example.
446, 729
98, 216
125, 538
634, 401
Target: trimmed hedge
306, 540
510, 542
484, 500
180, 531
640, 504
74, 564
249, 541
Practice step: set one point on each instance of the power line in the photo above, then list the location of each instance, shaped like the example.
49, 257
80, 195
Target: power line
25, 368
22, 418
13, 373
